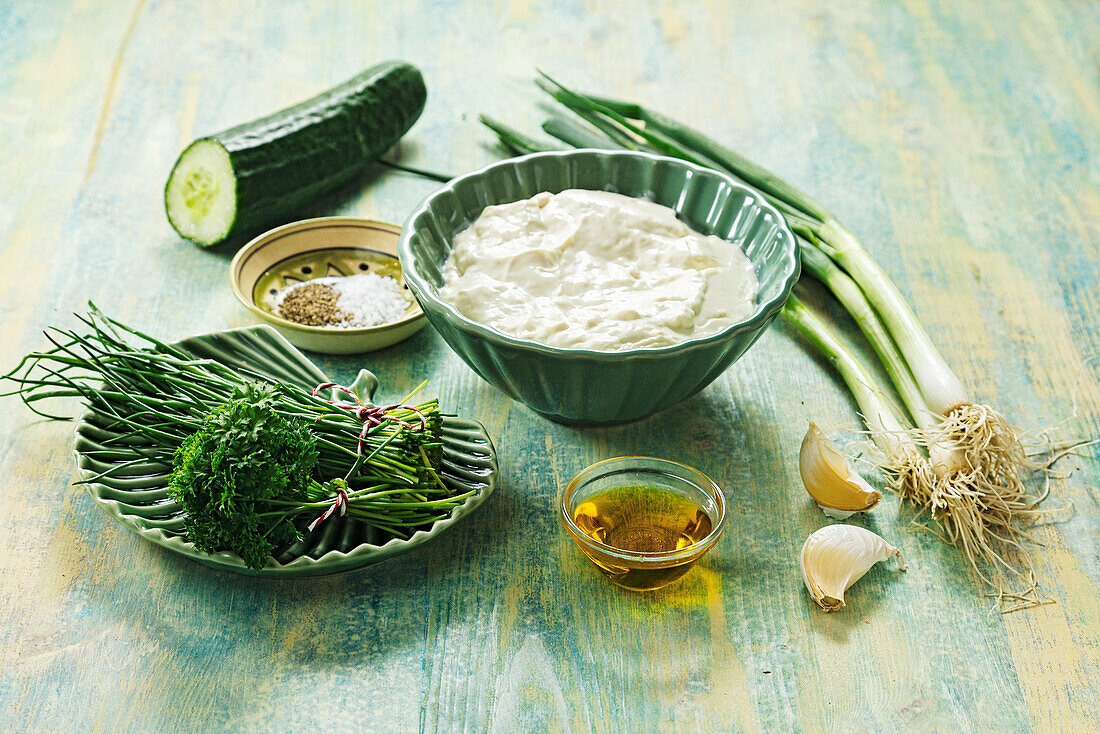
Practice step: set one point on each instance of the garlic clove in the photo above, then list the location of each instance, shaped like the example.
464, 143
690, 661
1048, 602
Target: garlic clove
836, 556
830, 479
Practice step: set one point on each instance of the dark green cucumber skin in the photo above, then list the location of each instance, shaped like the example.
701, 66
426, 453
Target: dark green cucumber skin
283, 161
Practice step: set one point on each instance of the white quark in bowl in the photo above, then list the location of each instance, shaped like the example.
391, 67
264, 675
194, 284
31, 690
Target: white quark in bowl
596, 270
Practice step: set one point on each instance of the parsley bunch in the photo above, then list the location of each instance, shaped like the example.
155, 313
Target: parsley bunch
235, 472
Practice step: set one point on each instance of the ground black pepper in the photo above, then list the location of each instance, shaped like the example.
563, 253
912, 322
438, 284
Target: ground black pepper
313, 304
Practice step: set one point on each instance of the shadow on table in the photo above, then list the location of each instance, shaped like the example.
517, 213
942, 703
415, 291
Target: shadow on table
220, 618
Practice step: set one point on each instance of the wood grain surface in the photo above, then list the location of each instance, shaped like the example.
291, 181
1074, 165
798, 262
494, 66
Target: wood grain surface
960, 140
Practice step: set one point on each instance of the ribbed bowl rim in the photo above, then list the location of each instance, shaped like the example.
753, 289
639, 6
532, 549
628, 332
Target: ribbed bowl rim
763, 314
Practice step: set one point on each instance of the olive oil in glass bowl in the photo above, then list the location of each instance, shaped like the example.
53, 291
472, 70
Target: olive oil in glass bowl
643, 522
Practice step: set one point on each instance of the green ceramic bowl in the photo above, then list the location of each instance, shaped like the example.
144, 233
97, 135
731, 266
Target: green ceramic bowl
582, 386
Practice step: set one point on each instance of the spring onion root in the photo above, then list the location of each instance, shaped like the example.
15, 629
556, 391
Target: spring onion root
972, 479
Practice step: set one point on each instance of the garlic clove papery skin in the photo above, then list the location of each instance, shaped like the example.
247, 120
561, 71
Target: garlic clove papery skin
830, 479
836, 556
836, 514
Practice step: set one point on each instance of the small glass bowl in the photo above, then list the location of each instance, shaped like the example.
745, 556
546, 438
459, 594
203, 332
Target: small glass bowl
633, 569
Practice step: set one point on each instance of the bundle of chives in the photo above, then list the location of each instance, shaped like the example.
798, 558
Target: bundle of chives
156, 397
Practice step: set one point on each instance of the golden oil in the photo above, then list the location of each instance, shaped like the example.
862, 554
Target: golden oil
642, 519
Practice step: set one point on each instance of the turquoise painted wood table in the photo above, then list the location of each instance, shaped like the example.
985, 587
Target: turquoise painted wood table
959, 140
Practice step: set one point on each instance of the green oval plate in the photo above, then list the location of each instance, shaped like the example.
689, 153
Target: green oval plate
138, 498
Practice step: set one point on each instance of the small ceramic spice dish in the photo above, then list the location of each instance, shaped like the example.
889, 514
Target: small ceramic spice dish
318, 248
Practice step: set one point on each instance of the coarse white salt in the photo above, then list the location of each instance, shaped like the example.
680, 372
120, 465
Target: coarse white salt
364, 299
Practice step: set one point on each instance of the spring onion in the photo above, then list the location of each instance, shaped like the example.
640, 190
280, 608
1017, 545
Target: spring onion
976, 457
982, 520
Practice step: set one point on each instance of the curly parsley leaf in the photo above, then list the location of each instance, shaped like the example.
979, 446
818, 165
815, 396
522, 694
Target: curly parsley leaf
240, 474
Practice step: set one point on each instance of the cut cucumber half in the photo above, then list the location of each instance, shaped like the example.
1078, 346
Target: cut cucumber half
261, 173
201, 196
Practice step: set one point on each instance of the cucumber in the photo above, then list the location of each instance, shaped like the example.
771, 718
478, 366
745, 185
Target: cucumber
252, 175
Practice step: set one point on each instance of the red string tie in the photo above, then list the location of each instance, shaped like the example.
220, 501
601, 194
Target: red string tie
369, 415
340, 504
